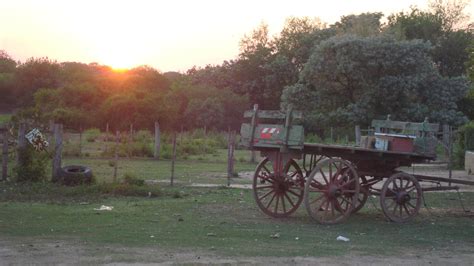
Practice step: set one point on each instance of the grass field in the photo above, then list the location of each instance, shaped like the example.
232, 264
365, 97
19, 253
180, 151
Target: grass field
227, 222
5, 118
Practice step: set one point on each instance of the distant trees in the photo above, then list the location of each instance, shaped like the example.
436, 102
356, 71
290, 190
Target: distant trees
357, 69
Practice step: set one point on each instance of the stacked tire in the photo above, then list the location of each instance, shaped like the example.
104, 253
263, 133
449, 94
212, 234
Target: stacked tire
74, 175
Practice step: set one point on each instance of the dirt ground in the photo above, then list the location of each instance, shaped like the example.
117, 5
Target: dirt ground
26, 251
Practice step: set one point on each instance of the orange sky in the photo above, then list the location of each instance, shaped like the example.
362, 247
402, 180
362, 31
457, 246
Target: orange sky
167, 35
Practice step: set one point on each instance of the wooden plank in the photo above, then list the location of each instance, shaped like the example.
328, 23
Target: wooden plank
267, 114
409, 126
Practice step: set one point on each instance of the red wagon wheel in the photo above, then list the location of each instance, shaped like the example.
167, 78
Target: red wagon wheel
401, 197
331, 191
278, 196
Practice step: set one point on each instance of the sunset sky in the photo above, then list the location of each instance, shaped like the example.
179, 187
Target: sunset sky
168, 35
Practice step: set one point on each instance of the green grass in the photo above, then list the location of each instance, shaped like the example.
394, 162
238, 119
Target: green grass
227, 221
4, 118
186, 171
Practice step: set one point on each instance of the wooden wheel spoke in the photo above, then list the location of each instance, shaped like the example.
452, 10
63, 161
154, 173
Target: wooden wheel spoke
271, 200
406, 209
264, 187
324, 176
318, 198
266, 178
283, 202
289, 200
266, 195
292, 192
276, 205
266, 169
411, 205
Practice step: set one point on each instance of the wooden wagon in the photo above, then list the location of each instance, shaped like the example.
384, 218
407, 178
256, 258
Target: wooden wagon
334, 181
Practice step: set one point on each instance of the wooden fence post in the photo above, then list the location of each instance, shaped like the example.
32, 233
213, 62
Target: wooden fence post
357, 135
106, 136
80, 141
131, 132
5, 155
173, 159
446, 140
117, 137
157, 141
230, 156
21, 143
58, 147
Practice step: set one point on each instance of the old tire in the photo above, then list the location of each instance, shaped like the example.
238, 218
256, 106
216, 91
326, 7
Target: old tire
74, 175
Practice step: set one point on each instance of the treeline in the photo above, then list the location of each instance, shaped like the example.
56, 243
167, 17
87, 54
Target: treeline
415, 65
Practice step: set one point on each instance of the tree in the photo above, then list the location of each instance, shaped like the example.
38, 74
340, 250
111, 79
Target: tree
351, 79
7, 72
34, 74
365, 24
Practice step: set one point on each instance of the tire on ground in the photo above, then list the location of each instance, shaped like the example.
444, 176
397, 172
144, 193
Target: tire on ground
73, 175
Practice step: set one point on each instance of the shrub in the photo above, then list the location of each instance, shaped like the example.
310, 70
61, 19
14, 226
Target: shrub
464, 142
92, 134
33, 165
131, 179
143, 136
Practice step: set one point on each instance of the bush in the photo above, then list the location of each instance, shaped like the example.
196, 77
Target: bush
33, 166
143, 136
464, 143
131, 179
92, 134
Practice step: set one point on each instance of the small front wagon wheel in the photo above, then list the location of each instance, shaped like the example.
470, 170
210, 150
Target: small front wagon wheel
400, 198
331, 191
278, 195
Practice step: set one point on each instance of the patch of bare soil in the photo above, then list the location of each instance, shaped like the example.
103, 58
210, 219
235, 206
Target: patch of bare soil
22, 251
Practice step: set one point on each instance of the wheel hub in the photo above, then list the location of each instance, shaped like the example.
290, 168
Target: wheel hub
402, 197
334, 191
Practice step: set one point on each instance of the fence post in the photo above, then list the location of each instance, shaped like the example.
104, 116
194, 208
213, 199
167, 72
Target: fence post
357, 135
157, 141
5, 155
173, 159
58, 147
21, 143
131, 132
446, 140
117, 136
230, 156
106, 136
80, 141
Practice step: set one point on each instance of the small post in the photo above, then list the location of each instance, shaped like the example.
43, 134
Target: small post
58, 147
173, 159
230, 156
21, 141
106, 136
157, 141
5, 155
117, 137
357, 135
80, 141
332, 135
450, 153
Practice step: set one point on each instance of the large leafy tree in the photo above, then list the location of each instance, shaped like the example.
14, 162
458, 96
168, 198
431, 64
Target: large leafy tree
350, 79
7, 71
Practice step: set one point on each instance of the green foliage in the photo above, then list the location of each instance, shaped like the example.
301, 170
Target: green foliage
350, 80
143, 136
32, 166
131, 179
92, 134
465, 142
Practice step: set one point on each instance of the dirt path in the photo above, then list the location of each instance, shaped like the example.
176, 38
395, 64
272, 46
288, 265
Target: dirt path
23, 251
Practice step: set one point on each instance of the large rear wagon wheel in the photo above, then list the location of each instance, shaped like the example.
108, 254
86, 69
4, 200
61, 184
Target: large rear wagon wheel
400, 198
331, 191
278, 196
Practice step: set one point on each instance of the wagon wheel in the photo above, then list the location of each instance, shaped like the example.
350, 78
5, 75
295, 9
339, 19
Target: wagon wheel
363, 194
401, 197
278, 196
331, 191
